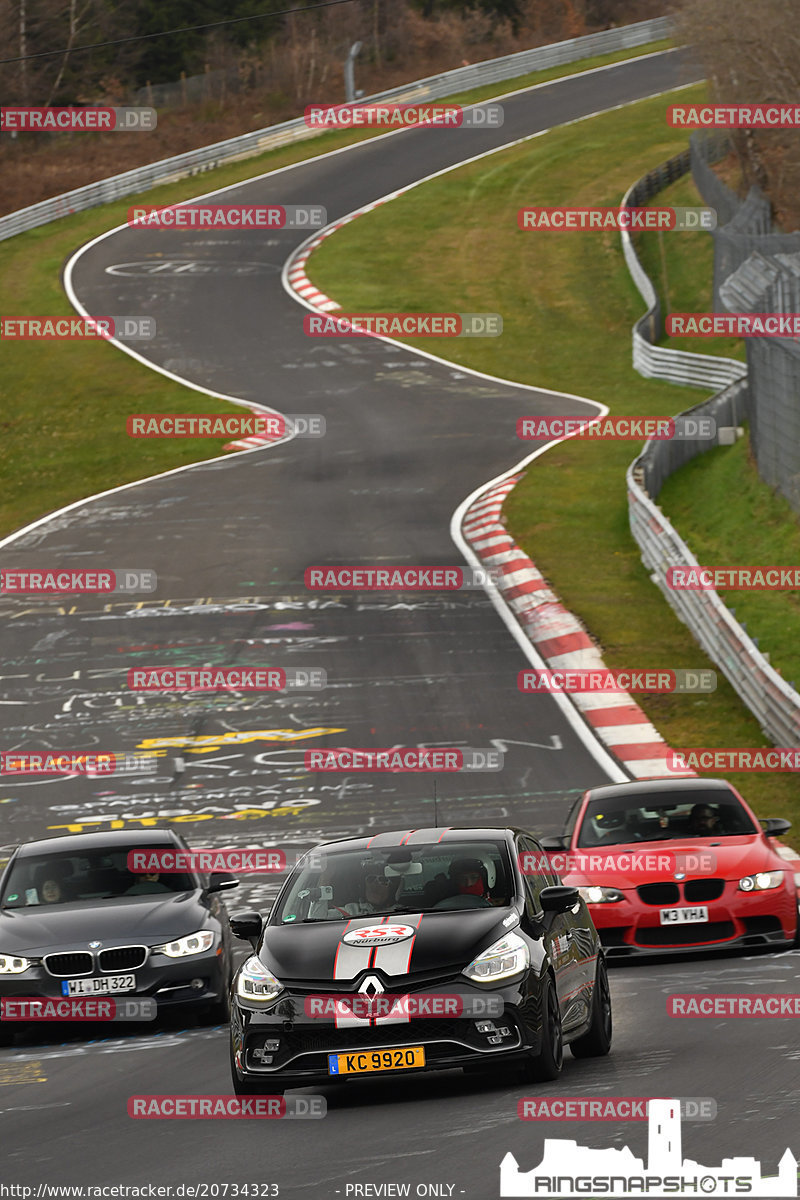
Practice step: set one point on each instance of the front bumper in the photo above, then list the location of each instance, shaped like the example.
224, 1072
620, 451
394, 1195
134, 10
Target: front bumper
735, 920
197, 979
282, 1044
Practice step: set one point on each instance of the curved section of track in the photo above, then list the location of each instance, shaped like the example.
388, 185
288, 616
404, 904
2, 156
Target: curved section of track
407, 440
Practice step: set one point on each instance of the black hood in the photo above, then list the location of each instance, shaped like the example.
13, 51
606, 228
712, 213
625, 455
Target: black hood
443, 941
145, 920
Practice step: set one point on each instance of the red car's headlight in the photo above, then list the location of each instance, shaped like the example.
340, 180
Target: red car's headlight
762, 881
601, 895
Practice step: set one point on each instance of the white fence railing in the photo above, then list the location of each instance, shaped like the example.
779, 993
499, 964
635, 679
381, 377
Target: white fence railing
772, 700
435, 87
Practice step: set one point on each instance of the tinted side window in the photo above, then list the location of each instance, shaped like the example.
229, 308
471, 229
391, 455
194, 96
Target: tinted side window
532, 854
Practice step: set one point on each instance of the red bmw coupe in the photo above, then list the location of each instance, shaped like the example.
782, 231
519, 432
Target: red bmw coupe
679, 865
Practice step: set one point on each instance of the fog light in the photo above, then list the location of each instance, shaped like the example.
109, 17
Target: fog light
493, 1041
197, 984
504, 1031
272, 1044
485, 1026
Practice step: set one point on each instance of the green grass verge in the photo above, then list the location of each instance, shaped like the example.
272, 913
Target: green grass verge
62, 429
568, 305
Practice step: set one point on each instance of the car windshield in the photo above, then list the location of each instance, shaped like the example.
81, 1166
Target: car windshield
94, 874
614, 821
353, 883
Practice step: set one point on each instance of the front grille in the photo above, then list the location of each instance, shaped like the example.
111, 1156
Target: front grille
685, 935
67, 965
703, 889
659, 893
122, 958
395, 1034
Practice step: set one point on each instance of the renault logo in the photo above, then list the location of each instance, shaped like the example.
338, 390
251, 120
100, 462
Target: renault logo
372, 986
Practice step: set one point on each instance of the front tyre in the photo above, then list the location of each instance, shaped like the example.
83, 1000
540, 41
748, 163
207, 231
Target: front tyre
597, 1040
547, 1064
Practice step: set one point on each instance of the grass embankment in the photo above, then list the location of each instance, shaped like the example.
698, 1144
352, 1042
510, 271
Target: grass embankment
62, 420
568, 305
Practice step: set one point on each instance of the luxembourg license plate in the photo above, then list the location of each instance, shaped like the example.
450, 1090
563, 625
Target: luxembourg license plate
98, 987
684, 916
362, 1061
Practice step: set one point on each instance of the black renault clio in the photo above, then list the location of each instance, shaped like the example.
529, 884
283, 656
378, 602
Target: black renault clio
417, 951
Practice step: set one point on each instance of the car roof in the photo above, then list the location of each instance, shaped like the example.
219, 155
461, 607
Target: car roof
102, 840
648, 787
409, 838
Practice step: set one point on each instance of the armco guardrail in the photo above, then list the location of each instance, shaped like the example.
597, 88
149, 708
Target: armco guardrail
435, 87
663, 362
773, 701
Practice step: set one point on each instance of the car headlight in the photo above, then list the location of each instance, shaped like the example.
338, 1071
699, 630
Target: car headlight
501, 960
12, 964
600, 895
764, 881
193, 943
255, 982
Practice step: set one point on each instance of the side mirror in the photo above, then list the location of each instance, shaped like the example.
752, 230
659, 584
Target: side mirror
558, 899
775, 826
222, 881
246, 926
553, 843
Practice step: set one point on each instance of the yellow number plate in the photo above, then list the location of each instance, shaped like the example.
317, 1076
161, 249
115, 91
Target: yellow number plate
361, 1061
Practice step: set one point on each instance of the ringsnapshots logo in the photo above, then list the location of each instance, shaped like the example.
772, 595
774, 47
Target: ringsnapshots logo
608, 1108
37, 118
80, 582
76, 1008
588, 679
226, 679
228, 216
399, 579
265, 425
403, 324
569, 1170
618, 429
627, 218
734, 759
77, 329
403, 116
227, 1108
411, 759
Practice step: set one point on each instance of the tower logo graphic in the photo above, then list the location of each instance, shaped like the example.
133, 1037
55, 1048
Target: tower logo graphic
570, 1170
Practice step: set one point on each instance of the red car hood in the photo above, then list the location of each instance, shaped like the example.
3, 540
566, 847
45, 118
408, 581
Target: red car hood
735, 857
